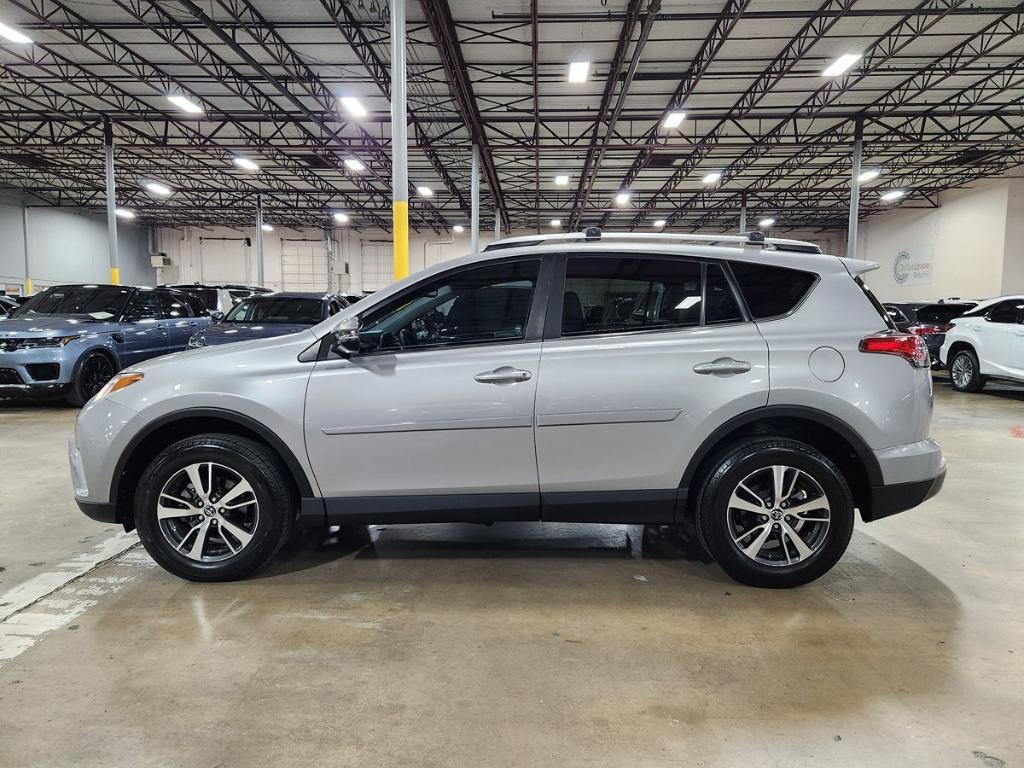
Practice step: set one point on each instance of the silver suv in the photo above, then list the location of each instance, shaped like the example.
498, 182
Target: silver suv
751, 390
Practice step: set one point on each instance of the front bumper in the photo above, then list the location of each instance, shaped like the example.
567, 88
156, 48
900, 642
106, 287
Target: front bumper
32, 371
889, 500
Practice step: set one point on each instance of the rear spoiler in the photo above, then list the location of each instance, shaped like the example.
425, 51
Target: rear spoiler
858, 266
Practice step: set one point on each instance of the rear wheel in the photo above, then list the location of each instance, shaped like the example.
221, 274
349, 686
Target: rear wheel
965, 373
92, 372
775, 512
214, 508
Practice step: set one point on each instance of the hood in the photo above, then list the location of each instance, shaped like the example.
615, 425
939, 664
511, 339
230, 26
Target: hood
230, 355
43, 326
228, 333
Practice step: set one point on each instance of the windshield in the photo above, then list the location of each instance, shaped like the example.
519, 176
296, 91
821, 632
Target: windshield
98, 302
943, 313
277, 310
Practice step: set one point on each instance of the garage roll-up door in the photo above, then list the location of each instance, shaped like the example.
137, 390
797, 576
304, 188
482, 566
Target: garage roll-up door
304, 267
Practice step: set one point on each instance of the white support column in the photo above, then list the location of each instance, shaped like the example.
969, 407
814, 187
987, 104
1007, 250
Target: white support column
259, 240
26, 289
858, 148
399, 145
474, 227
108, 157
743, 214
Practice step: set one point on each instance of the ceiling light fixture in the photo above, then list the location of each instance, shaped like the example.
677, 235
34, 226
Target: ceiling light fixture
12, 34
354, 107
622, 198
245, 163
556, 222
562, 180
660, 224
579, 71
867, 176
673, 120
712, 178
184, 104
268, 228
892, 195
424, 191
841, 65
458, 229
157, 188
124, 213
354, 165
341, 218
766, 222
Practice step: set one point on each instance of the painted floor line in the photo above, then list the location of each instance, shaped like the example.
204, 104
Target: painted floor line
20, 597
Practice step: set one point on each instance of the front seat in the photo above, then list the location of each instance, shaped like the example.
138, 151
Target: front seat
572, 313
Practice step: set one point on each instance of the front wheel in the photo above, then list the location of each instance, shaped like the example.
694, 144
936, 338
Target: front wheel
775, 512
965, 372
92, 372
214, 507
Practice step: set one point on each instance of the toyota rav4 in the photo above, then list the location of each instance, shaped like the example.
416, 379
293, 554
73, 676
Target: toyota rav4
751, 390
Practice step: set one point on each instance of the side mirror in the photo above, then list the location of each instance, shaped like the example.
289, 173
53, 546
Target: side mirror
345, 338
216, 317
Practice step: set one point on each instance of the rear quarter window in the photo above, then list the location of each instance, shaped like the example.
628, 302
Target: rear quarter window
771, 291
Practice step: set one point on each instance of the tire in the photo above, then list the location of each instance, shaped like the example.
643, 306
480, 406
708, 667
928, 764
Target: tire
965, 372
822, 526
238, 539
91, 372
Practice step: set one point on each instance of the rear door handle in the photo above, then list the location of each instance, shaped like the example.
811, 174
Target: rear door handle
722, 366
503, 375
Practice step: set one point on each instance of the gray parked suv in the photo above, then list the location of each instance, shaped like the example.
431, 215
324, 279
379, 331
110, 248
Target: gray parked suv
751, 390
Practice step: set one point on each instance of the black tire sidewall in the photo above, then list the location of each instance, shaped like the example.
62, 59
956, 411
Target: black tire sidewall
242, 456
739, 463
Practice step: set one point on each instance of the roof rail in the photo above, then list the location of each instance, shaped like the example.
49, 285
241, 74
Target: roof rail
594, 234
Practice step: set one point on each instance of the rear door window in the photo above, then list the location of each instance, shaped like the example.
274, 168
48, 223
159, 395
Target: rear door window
611, 294
772, 291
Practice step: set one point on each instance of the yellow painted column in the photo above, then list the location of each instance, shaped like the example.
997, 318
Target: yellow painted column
115, 275
400, 228
28, 285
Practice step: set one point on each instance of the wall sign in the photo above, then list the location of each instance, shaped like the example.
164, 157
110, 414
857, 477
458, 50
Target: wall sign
913, 266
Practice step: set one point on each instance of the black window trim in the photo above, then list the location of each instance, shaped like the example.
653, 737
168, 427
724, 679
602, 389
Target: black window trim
553, 327
534, 323
136, 293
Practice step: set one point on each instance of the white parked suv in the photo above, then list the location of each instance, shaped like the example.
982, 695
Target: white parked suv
751, 390
987, 342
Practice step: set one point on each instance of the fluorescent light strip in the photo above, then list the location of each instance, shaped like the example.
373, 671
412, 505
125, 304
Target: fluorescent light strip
841, 65
712, 178
14, 35
579, 71
341, 218
353, 106
124, 213
766, 222
892, 195
867, 176
673, 120
157, 188
185, 104
245, 163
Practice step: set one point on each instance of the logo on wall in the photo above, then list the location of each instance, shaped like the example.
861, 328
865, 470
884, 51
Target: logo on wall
901, 267
913, 266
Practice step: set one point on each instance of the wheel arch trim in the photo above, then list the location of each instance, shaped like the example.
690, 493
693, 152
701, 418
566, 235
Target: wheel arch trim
864, 453
294, 467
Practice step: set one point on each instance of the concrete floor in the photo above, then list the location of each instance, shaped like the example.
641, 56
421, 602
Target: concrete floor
518, 645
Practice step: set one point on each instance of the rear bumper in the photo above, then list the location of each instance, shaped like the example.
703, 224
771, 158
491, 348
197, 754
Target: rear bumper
889, 500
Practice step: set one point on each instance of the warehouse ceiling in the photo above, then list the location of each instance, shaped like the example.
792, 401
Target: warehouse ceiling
937, 93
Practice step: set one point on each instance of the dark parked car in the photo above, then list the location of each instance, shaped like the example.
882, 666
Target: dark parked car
272, 314
7, 305
218, 298
929, 320
72, 339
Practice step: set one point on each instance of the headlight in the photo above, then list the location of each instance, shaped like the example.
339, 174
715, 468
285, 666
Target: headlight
120, 381
197, 340
39, 343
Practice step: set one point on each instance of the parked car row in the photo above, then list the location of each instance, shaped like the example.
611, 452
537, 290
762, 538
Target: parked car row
69, 340
986, 343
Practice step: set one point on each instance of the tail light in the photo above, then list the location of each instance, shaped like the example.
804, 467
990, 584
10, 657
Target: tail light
906, 345
925, 329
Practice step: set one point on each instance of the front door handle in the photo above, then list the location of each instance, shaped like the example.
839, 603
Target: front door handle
503, 375
722, 366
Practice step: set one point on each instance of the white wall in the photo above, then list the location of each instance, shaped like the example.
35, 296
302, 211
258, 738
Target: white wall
1013, 247
964, 239
68, 247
